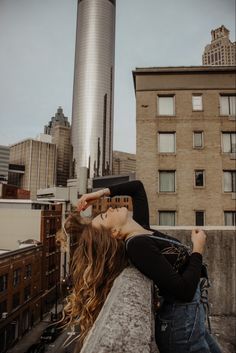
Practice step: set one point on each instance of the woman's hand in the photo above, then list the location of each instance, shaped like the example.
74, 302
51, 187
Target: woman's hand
199, 240
88, 199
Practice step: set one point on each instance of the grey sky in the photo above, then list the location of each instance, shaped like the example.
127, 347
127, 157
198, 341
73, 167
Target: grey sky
37, 41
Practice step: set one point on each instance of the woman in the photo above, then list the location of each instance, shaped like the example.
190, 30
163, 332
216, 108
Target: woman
180, 324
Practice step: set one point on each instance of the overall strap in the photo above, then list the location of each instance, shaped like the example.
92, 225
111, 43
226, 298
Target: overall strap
172, 241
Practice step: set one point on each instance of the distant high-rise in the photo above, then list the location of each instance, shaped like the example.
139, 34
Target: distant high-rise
36, 160
59, 129
92, 111
221, 51
4, 163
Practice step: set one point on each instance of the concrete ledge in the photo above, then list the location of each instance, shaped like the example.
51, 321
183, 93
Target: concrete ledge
125, 323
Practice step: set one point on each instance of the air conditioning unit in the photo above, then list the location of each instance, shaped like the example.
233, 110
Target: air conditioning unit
4, 315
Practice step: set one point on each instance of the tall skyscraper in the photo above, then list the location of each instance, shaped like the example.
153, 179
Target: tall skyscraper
92, 112
59, 128
221, 51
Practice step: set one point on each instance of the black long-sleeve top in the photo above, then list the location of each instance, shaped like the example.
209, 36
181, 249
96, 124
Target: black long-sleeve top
145, 251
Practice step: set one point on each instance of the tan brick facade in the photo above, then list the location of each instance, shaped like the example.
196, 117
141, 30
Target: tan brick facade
39, 159
123, 163
181, 84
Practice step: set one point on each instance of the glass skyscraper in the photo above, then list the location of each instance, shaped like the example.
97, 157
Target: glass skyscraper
92, 112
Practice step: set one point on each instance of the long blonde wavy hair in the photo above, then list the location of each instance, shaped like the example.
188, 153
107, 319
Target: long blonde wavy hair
97, 261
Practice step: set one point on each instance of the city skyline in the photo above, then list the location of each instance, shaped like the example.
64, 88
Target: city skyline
37, 60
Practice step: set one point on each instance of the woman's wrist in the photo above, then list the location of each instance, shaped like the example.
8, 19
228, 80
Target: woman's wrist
104, 192
198, 248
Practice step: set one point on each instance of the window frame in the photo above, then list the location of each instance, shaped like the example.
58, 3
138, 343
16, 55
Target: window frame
27, 292
170, 212
202, 138
204, 218
231, 144
16, 279
171, 95
197, 95
233, 218
204, 179
229, 113
159, 144
159, 181
4, 282
232, 181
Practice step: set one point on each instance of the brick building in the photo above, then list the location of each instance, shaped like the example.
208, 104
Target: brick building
13, 192
186, 143
20, 293
221, 51
51, 220
123, 163
35, 221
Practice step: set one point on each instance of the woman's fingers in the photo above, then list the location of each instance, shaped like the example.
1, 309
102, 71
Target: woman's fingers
82, 204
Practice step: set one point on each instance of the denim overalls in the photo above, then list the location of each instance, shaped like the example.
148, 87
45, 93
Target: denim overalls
180, 328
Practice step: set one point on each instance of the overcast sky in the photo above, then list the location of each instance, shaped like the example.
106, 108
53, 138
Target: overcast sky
37, 43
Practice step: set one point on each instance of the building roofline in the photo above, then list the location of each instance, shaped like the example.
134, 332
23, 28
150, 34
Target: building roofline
20, 250
171, 69
25, 201
181, 69
29, 139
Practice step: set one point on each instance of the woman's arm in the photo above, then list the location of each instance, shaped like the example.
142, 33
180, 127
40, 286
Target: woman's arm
146, 257
135, 189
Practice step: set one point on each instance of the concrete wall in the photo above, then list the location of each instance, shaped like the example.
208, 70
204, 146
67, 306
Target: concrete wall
125, 323
220, 257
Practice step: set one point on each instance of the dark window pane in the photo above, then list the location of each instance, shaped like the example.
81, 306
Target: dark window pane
3, 283
199, 180
3, 307
199, 218
16, 300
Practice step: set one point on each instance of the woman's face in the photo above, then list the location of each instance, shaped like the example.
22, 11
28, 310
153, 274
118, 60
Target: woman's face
113, 217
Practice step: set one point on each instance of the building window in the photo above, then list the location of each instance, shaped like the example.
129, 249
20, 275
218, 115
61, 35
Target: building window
199, 178
16, 300
166, 142
3, 307
198, 139
199, 218
16, 277
227, 105
229, 142
166, 105
28, 271
230, 218
230, 181
167, 181
167, 218
197, 102
3, 282
27, 293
